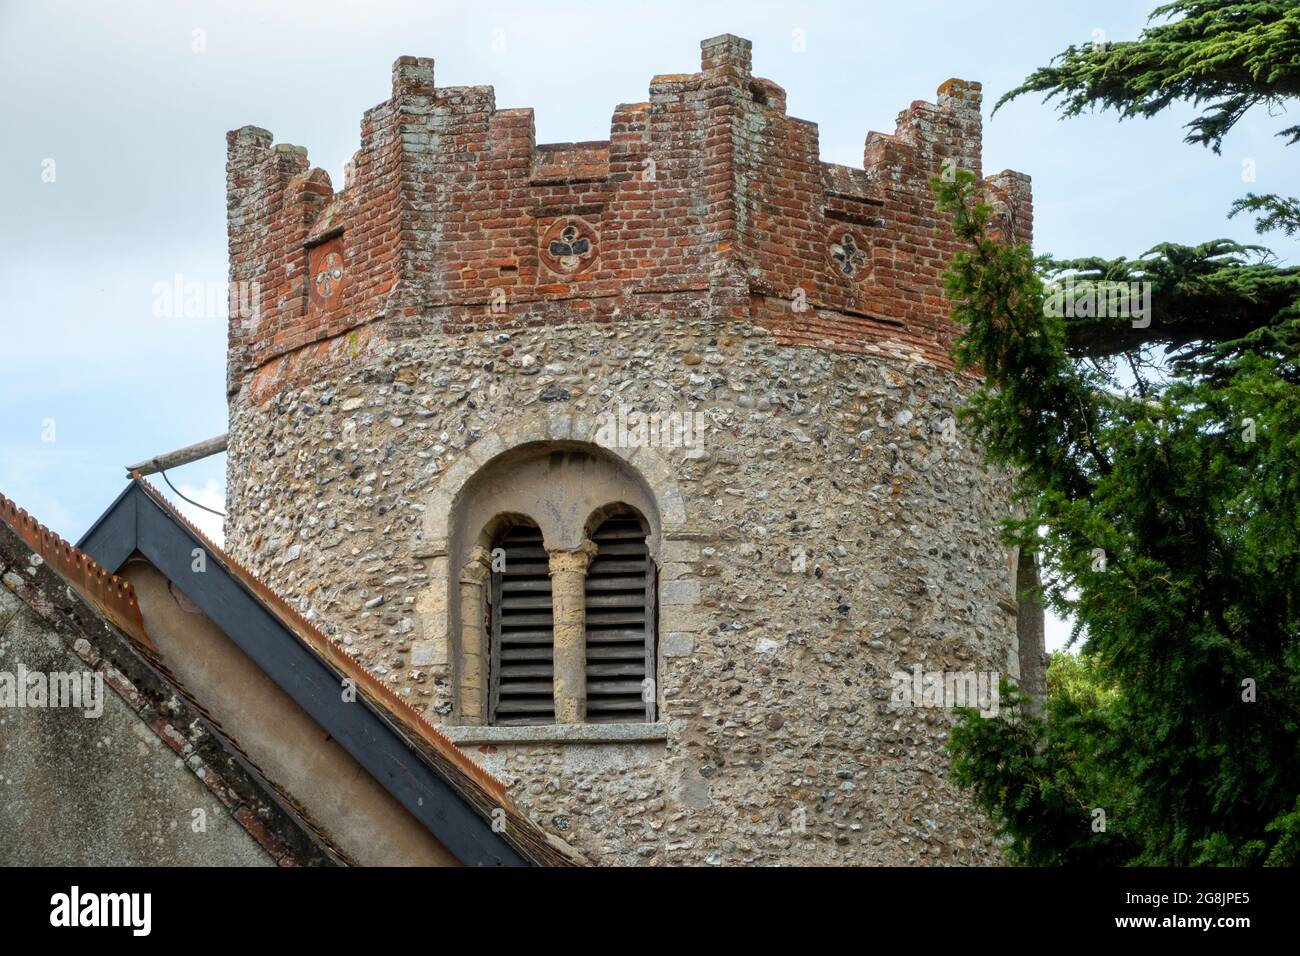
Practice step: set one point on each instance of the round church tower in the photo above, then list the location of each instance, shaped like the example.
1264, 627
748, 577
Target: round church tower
633, 463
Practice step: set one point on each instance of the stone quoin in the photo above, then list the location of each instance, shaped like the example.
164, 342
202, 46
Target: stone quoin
433, 353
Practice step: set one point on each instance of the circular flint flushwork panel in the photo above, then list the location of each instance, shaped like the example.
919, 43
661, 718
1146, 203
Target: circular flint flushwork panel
848, 254
568, 246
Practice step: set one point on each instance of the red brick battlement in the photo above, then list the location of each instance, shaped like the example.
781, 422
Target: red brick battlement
708, 198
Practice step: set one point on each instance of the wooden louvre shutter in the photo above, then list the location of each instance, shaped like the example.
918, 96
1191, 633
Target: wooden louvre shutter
521, 678
620, 614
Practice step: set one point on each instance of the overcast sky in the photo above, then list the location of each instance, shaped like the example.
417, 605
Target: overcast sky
112, 164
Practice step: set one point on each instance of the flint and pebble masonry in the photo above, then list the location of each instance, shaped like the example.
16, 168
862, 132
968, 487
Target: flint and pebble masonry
826, 535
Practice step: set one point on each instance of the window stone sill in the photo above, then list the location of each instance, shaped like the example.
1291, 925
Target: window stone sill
559, 733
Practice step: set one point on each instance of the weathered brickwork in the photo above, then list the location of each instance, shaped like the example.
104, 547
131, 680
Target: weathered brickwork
487, 293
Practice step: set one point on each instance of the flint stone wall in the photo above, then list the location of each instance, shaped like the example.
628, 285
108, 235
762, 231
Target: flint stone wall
775, 682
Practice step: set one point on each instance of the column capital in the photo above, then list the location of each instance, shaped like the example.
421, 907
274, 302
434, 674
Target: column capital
572, 559
478, 566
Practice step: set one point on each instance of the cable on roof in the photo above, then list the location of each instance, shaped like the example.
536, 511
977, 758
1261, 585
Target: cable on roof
211, 511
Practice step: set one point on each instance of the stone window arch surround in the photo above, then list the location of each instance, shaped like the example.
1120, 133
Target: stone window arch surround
457, 523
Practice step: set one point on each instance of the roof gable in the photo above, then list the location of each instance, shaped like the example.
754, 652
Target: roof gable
97, 617
454, 798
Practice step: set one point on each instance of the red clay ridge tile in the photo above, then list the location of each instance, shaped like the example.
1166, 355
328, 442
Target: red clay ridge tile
110, 595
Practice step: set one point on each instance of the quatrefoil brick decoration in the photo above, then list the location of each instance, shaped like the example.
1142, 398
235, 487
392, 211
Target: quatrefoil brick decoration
848, 256
568, 246
325, 274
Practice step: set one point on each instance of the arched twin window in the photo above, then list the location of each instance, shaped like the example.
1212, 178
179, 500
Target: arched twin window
619, 615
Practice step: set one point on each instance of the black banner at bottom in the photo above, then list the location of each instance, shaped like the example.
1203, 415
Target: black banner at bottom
335, 906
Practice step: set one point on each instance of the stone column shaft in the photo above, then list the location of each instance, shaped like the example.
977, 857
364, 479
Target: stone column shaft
473, 637
569, 613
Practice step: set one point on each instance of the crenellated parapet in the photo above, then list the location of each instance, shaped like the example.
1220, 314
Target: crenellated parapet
708, 198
